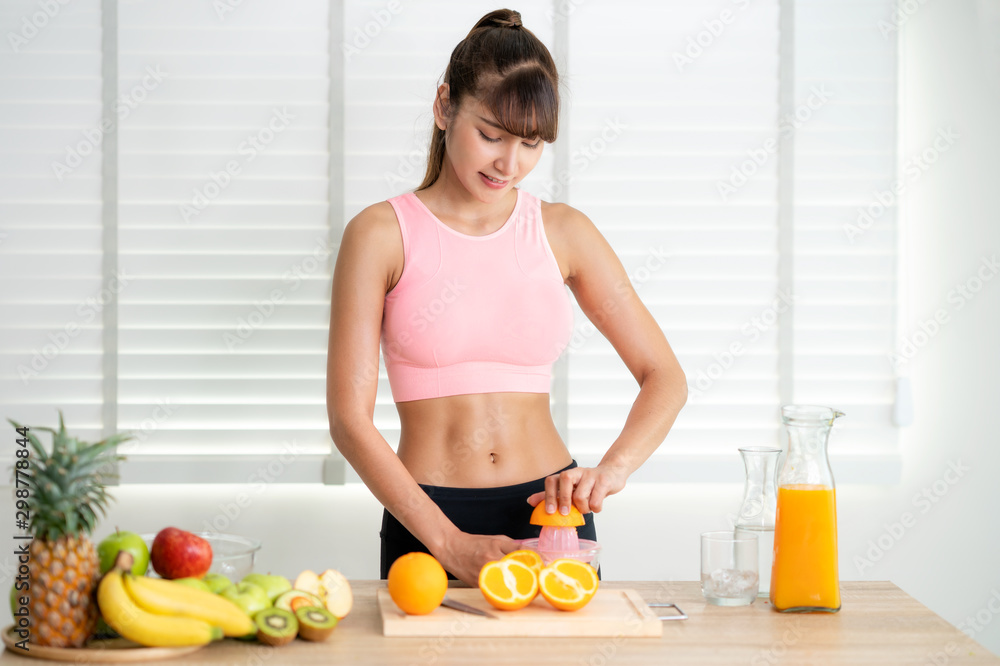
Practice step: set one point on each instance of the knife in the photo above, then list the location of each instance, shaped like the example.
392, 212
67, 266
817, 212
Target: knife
466, 608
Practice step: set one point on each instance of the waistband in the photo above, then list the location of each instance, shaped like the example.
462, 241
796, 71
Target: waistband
498, 492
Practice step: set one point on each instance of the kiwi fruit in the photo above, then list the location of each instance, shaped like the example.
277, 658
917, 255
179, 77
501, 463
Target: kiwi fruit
315, 623
275, 626
285, 600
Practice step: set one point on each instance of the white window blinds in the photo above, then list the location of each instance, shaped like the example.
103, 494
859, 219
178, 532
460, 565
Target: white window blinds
228, 217
695, 86
845, 266
224, 228
688, 191
51, 290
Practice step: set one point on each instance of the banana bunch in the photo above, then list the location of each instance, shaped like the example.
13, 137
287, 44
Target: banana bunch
160, 613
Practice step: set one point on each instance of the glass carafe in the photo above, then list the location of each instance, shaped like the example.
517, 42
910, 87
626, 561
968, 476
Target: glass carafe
760, 500
805, 576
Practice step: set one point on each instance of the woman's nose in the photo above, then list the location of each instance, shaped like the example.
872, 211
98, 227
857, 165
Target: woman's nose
506, 162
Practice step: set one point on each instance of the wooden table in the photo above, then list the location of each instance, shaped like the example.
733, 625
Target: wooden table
879, 624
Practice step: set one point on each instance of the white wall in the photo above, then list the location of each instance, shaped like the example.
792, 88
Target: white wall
947, 559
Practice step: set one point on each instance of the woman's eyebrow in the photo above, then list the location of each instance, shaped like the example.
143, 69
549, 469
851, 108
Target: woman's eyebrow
491, 123
499, 126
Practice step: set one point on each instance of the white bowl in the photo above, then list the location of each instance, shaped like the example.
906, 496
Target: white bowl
232, 555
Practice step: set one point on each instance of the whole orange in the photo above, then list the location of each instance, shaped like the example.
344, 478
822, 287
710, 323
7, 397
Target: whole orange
417, 583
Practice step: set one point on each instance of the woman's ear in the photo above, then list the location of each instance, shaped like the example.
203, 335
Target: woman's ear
441, 107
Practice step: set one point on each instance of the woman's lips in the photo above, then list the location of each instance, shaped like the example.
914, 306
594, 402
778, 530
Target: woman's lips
495, 184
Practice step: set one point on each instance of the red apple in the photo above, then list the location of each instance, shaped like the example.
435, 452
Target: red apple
179, 554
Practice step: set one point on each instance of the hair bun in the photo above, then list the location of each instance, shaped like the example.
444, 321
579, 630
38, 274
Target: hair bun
506, 18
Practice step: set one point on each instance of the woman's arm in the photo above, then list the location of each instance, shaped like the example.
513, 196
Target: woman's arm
369, 260
605, 294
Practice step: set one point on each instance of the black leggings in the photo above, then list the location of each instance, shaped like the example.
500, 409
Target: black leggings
502, 510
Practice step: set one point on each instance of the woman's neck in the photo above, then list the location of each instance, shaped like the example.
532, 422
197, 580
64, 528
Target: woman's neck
452, 203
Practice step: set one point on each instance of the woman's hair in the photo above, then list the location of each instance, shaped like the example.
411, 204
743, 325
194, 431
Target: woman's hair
501, 64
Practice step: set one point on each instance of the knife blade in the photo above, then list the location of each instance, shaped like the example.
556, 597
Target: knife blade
466, 608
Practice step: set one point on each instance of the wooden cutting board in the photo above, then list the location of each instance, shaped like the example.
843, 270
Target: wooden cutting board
609, 613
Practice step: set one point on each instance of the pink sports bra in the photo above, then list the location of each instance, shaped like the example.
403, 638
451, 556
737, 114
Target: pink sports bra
474, 314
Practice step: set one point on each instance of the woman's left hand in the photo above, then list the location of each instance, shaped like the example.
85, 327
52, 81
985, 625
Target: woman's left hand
584, 487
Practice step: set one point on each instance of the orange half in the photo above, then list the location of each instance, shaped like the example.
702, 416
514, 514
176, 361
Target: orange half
541, 517
567, 584
529, 557
508, 584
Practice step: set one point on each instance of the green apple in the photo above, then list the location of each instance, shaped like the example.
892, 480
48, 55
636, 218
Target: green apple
196, 583
274, 586
109, 548
216, 582
248, 596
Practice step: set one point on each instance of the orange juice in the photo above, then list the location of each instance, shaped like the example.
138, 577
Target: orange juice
804, 576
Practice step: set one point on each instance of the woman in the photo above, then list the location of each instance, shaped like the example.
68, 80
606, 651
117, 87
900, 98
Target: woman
462, 281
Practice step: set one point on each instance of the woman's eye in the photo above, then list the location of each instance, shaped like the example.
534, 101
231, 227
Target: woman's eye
533, 145
488, 138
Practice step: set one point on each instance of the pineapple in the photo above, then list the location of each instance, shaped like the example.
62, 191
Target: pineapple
66, 494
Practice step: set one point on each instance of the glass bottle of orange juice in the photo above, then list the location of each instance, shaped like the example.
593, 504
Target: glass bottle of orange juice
804, 576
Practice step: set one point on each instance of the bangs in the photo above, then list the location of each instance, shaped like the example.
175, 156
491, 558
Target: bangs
525, 103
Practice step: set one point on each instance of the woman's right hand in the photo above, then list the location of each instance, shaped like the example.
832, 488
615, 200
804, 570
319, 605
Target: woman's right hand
463, 555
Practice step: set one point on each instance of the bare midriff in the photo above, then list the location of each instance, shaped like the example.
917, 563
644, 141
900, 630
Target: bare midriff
482, 440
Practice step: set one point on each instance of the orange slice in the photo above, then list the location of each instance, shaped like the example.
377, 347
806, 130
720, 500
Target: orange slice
508, 584
567, 584
529, 557
541, 517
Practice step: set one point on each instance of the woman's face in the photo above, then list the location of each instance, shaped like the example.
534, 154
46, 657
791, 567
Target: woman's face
486, 159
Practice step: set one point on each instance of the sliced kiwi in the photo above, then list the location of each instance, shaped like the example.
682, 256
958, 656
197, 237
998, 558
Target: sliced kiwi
315, 623
284, 601
275, 626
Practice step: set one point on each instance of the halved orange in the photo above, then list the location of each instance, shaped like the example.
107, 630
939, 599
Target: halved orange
541, 517
529, 557
567, 584
508, 584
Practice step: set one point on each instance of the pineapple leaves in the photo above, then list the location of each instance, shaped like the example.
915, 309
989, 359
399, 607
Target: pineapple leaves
88, 517
32, 439
71, 522
68, 482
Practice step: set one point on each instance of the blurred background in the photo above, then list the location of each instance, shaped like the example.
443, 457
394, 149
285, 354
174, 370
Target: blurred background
799, 191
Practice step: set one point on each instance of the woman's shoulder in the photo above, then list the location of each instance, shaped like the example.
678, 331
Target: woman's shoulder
565, 224
372, 238
374, 227
378, 218
569, 233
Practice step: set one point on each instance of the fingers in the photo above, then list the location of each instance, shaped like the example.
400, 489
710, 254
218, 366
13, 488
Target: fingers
564, 494
582, 494
533, 500
597, 494
509, 545
586, 488
551, 490
607, 483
